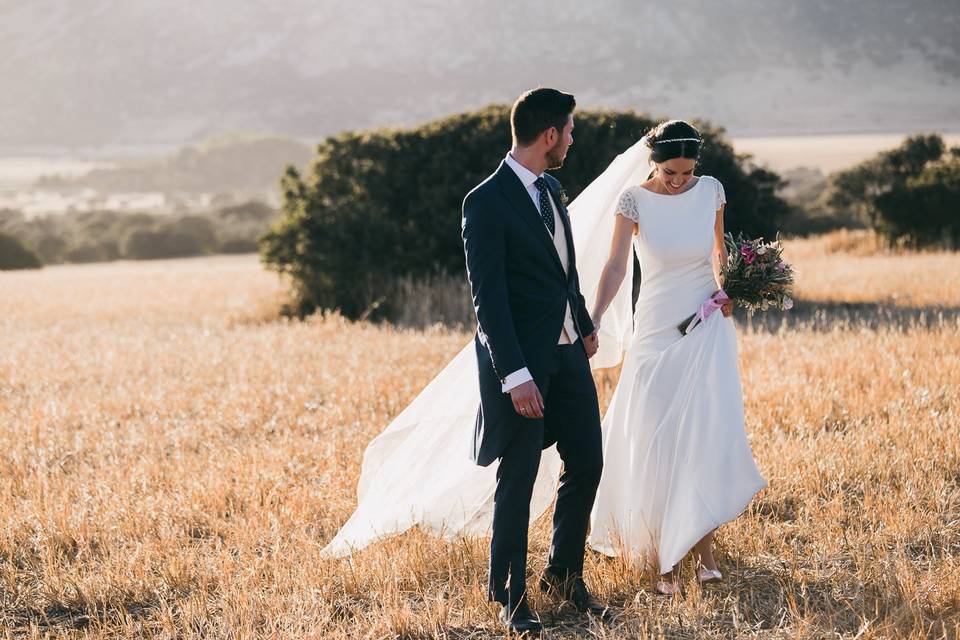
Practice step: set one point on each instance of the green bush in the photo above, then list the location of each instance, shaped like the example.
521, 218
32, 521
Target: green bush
166, 242
100, 236
238, 245
854, 191
13, 255
925, 211
910, 195
104, 251
381, 205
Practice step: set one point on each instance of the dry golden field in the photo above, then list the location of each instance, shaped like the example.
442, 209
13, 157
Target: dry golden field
173, 456
852, 267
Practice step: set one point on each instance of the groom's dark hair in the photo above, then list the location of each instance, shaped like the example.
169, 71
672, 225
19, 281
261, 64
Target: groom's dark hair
537, 110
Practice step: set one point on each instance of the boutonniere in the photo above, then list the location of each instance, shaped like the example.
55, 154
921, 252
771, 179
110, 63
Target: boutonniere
564, 198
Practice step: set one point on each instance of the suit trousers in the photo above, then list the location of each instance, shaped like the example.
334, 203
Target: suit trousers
572, 418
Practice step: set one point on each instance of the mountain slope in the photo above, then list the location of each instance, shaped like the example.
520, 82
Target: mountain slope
113, 72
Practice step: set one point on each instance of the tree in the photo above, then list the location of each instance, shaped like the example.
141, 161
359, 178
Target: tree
379, 205
856, 190
909, 195
165, 242
14, 255
926, 210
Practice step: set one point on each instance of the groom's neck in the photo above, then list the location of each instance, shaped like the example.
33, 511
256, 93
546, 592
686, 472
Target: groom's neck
531, 158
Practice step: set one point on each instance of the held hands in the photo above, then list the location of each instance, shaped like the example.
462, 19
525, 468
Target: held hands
527, 400
727, 309
592, 344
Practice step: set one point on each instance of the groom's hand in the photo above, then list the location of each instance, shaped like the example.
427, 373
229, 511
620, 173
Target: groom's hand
527, 400
592, 344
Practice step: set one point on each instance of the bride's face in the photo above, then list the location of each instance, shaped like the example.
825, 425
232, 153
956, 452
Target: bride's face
674, 174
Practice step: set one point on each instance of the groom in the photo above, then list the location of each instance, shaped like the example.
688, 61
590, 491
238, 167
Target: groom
534, 337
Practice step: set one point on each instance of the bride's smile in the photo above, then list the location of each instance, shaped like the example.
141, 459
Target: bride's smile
673, 176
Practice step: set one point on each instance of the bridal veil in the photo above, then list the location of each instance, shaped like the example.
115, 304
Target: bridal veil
417, 471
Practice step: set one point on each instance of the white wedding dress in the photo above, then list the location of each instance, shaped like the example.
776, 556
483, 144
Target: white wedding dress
677, 463
677, 460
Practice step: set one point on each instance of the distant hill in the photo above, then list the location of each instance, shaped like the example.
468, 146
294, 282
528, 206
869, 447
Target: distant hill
241, 166
131, 72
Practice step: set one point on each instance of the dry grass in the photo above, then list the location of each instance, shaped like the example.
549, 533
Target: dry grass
172, 459
856, 267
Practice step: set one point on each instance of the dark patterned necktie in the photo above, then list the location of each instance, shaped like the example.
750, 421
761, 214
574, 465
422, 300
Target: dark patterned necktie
546, 209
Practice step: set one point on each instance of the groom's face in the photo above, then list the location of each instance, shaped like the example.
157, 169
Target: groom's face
564, 139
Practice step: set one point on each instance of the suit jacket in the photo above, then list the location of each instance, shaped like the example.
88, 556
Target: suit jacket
520, 295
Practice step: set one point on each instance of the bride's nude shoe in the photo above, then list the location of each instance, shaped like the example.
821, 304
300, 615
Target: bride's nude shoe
707, 576
668, 588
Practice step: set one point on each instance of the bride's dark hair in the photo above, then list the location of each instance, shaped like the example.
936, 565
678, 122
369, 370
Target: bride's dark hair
673, 139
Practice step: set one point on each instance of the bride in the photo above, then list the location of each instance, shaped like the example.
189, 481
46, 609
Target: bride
676, 459
677, 463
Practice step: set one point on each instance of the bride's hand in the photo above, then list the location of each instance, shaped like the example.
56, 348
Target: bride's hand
727, 308
592, 344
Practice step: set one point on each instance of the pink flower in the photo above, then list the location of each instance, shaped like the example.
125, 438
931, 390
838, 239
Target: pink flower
749, 255
781, 266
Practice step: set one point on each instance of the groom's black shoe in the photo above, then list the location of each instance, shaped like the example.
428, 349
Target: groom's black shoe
520, 620
574, 590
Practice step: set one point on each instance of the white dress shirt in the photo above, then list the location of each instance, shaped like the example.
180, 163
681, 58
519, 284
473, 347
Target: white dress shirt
568, 334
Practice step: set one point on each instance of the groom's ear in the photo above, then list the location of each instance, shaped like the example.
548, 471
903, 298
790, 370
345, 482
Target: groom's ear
550, 136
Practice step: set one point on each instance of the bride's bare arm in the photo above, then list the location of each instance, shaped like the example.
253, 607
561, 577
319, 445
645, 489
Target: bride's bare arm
719, 246
720, 256
616, 267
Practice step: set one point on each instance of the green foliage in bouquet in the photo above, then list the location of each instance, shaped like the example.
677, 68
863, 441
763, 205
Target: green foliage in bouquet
755, 275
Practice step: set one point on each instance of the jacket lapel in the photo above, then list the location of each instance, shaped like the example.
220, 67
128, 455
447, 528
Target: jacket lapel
567, 229
520, 200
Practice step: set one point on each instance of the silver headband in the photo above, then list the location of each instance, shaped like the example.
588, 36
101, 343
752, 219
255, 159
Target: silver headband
677, 140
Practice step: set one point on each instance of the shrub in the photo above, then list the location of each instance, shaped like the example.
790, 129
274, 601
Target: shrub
910, 195
166, 242
14, 255
381, 205
926, 210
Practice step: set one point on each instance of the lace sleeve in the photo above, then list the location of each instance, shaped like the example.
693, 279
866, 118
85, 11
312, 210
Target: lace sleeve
721, 196
627, 205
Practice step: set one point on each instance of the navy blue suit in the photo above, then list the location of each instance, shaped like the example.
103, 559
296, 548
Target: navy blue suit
520, 294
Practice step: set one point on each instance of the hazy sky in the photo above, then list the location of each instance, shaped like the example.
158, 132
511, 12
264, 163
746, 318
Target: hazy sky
94, 74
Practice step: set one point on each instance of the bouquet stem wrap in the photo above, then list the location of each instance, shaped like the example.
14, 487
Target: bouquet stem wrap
709, 306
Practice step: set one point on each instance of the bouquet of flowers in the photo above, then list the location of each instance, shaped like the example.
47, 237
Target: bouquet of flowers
755, 277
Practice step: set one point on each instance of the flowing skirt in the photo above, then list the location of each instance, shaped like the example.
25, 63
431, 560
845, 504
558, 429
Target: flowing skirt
677, 463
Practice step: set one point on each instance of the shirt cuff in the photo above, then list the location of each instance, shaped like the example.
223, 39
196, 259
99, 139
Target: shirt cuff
516, 379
